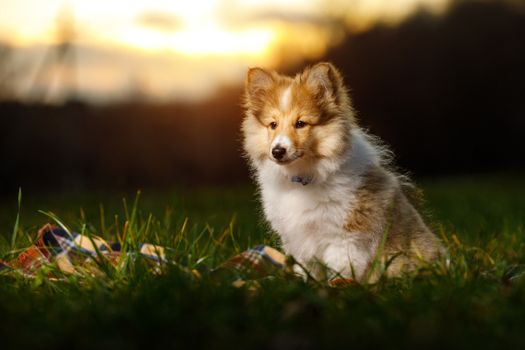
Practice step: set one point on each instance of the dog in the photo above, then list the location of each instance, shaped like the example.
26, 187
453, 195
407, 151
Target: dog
326, 185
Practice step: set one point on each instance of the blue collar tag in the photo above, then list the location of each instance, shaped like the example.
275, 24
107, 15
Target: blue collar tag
302, 180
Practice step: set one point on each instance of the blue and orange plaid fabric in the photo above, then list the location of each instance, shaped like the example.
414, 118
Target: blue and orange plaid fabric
70, 251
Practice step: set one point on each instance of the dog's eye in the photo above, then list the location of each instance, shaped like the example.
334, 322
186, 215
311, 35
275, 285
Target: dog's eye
300, 124
273, 125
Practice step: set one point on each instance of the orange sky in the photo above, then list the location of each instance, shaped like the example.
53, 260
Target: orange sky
174, 49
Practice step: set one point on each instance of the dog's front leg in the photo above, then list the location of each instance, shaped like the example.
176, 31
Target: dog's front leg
351, 256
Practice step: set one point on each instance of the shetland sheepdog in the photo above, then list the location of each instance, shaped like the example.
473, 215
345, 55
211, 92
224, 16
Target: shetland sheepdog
326, 185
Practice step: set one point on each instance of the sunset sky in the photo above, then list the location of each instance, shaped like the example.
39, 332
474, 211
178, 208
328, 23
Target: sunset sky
166, 50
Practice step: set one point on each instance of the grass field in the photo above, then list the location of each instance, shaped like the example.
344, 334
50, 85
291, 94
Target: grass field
478, 299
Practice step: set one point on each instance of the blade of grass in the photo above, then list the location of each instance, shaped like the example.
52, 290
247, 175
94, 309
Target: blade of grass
55, 218
102, 218
17, 220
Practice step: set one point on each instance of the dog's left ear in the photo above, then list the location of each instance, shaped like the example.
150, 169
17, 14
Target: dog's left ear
324, 80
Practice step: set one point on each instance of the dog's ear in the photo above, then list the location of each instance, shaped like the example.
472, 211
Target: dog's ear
258, 81
324, 80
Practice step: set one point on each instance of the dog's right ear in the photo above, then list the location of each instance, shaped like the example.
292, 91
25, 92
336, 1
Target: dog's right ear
258, 81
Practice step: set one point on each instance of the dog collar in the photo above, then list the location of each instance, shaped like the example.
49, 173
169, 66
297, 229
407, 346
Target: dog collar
302, 180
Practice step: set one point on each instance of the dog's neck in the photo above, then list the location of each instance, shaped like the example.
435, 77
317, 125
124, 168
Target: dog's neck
363, 153
360, 154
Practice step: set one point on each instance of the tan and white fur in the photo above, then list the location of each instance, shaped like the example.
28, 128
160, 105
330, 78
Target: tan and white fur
325, 184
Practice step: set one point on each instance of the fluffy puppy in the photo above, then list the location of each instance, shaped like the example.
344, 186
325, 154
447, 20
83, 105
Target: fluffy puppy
325, 184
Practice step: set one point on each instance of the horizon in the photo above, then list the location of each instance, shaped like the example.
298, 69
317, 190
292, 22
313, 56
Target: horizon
160, 52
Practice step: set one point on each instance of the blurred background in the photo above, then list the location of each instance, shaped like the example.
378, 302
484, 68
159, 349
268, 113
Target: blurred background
141, 94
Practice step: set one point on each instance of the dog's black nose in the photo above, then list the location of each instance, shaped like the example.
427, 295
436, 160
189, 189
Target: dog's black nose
278, 152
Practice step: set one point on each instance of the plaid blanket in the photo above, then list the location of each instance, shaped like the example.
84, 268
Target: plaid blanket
70, 252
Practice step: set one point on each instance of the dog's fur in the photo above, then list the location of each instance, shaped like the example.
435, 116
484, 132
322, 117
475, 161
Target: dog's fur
331, 197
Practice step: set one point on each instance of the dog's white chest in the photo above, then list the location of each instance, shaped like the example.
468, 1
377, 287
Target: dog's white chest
304, 210
310, 221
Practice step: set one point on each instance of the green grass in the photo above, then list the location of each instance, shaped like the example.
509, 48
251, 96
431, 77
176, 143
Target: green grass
478, 299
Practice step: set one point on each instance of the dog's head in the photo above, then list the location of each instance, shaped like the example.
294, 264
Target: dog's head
296, 119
